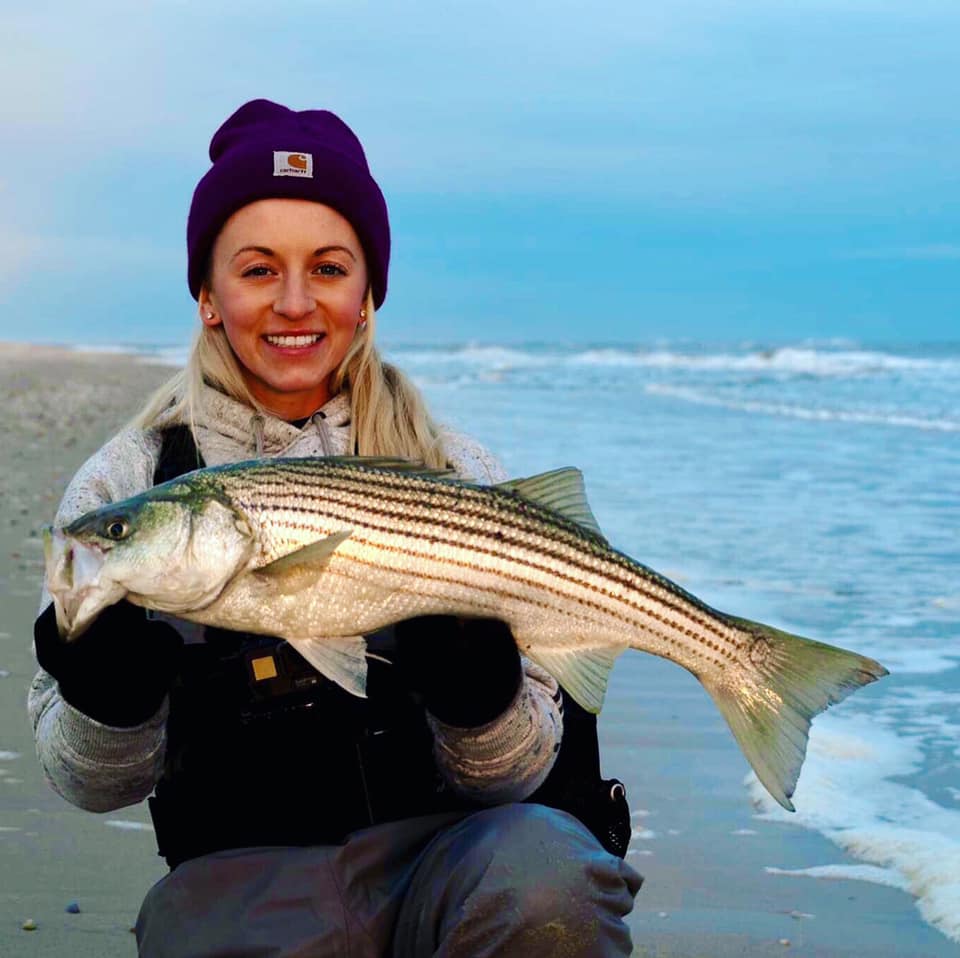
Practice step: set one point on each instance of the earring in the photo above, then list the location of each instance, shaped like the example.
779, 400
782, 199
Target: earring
209, 315
363, 319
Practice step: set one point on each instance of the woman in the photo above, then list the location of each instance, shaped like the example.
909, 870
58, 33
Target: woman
296, 818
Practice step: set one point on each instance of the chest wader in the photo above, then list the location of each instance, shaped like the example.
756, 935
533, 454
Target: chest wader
263, 750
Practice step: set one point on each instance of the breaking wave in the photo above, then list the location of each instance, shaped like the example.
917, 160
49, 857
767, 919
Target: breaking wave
830, 382
810, 362
799, 360
862, 417
795, 360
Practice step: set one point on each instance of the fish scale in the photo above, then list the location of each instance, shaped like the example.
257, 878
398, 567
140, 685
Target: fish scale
321, 551
416, 525
423, 504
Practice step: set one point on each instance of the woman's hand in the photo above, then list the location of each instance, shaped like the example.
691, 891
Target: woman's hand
467, 670
119, 671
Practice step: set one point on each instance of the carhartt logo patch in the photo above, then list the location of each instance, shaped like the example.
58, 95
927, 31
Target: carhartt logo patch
292, 164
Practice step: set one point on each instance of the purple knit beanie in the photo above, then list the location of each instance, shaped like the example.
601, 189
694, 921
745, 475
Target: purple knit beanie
265, 150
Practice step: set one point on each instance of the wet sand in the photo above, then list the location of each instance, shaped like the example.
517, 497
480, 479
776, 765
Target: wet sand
707, 894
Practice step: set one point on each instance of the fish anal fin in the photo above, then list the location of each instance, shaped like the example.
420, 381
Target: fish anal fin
561, 490
582, 671
315, 554
342, 660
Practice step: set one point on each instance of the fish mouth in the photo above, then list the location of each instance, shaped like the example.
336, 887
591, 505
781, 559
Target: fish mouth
75, 583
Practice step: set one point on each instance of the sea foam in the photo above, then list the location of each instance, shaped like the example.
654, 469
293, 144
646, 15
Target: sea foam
846, 792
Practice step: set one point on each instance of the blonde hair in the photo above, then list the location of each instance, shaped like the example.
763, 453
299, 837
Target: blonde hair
388, 416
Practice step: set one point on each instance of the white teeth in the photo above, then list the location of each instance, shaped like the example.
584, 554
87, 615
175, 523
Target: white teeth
288, 341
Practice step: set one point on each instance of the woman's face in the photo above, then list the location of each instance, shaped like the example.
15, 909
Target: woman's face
287, 282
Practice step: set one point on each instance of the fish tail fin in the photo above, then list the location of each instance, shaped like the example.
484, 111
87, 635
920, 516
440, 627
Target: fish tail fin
794, 680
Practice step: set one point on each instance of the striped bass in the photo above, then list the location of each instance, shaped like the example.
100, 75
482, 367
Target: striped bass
321, 552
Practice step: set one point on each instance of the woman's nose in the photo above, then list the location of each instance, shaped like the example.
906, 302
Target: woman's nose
294, 300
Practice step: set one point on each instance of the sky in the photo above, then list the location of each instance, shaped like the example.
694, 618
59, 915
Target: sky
555, 172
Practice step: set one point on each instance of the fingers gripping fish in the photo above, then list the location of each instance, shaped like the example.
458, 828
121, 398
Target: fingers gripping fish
323, 551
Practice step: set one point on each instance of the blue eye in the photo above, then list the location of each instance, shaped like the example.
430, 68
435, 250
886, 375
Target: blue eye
331, 269
256, 271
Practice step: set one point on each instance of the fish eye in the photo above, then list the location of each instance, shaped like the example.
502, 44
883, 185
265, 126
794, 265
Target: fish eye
117, 528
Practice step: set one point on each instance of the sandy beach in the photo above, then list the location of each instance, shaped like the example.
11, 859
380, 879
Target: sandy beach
697, 841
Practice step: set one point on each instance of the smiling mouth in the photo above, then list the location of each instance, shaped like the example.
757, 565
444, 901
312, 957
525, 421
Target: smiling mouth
293, 342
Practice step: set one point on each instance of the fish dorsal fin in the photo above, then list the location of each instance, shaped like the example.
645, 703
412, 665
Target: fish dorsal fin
342, 660
561, 490
316, 554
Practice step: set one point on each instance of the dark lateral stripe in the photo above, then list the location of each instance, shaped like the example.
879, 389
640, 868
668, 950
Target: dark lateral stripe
479, 501
700, 648
634, 581
501, 574
544, 530
504, 573
564, 559
450, 490
468, 586
721, 643
483, 498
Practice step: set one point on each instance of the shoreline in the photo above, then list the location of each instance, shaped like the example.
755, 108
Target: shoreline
698, 840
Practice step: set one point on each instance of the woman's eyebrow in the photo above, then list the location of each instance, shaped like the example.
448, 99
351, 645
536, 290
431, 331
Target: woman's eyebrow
332, 249
253, 249
266, 251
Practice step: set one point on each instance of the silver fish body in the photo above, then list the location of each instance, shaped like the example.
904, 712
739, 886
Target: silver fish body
323, 551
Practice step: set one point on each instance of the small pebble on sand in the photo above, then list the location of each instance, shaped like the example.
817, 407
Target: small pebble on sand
29, 925
73, 908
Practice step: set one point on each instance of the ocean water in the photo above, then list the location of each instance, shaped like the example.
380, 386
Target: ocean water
814, 486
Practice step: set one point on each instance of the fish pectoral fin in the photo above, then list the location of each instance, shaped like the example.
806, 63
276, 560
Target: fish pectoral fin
342, 660
316, 554
583, 672
561, 490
